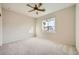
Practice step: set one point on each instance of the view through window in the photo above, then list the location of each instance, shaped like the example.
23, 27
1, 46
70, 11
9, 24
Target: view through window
48, 25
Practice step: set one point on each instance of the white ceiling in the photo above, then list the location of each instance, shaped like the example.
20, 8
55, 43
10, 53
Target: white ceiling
23, 9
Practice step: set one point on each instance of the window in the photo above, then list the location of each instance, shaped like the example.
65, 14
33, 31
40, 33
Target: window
48, 25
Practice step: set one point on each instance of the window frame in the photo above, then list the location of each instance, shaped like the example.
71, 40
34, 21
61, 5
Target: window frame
53, 31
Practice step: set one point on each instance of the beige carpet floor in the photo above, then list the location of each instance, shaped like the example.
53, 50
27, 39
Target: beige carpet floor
36, 46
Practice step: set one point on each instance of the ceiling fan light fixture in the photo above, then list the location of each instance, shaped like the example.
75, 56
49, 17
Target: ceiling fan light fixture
36, 8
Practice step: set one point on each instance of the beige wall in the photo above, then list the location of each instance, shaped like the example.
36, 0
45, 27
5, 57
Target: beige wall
0, 26
16, 26
65, 26
77, 26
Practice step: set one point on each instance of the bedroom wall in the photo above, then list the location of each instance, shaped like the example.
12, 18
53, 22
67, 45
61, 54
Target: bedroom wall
77, 26
16, 26
0, 26
65, 26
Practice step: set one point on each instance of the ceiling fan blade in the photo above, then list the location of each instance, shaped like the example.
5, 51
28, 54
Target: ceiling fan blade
30, 6
41, 9
35, 5
40, 4
31, 10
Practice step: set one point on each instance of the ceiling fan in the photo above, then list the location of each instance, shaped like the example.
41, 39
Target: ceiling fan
36, 8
